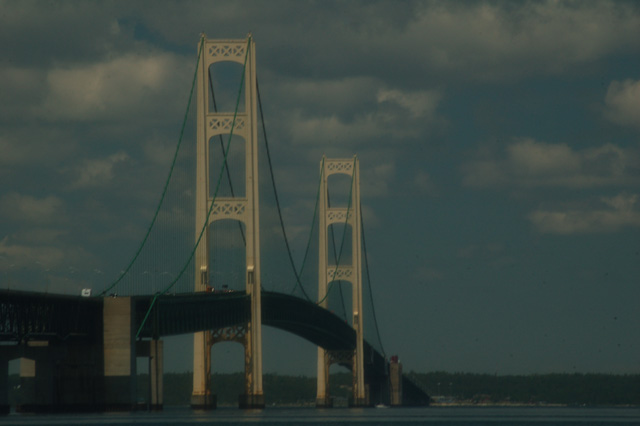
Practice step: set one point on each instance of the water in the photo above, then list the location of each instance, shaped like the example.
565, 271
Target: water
449, 416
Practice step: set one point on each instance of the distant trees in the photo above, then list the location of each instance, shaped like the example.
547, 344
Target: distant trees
569, 389
278, 389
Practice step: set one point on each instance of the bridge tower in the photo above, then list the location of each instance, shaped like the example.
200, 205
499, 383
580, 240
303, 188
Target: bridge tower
349, 215
244, 209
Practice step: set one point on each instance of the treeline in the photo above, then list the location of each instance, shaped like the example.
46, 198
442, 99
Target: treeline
569, 389
278, 389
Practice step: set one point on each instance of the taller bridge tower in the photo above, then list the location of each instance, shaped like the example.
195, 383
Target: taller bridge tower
245, 209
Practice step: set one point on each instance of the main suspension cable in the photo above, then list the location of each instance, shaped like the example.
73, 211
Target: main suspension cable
166, 185
335, 255
275, 193
373, 306
215, 194
224, 154
344, 233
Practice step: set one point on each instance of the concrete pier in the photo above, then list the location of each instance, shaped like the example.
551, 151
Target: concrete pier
395, 381
119, 355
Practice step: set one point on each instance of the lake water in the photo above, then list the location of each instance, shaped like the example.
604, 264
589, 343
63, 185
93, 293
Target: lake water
450, 416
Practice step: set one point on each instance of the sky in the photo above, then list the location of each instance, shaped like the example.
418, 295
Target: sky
499, 148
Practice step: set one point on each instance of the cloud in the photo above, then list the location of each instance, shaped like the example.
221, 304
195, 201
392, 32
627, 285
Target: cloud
98, 172
611, 215
29, 209
121, 88
376, 178
427, 274
20, 88
622, 103
396, 113
424, 183
41, 252
496, 40
417, 104
479, 40
21, 255
33, 145
529, 163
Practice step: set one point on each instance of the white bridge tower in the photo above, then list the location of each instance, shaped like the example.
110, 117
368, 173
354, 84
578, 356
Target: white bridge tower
243, 209
350, 216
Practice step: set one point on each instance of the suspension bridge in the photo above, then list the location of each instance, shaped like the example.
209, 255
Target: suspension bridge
210, 264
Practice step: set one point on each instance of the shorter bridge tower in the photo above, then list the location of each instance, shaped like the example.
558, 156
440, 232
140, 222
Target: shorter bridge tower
245, 209
350, 216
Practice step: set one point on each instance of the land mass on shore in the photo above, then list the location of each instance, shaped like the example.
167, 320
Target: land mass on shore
445, 389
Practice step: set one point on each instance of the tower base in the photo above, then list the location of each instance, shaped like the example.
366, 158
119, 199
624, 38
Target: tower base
251, 401
204, 402
326, 402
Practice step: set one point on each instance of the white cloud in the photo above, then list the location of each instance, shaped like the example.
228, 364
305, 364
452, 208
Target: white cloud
528, 162
493, 40
622, 103
26, 208
341, 95
21, 255
100, 172
40, 251
395, 114
377, 178
471, 40
123, 88
20, 88
531, 158
424, 183
332, 130
421, 103
611, 215
34, 145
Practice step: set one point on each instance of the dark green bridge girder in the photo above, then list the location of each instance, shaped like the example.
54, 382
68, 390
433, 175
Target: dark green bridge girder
37, 316
182, 314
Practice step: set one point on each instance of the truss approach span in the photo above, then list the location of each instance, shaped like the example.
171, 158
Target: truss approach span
57, 318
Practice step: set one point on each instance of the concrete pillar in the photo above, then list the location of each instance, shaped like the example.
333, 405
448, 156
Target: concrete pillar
4, 385
201, 398
156, 361
119, 354
36, 379
395, 382
323, 398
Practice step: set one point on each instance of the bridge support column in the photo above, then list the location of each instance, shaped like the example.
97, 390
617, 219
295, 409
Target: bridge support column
119, 354
201, 398
4, 385
323, 398
395, 382
36, 378
156, 373
153, 349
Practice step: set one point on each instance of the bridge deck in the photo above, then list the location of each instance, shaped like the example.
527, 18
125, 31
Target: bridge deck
36, 316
